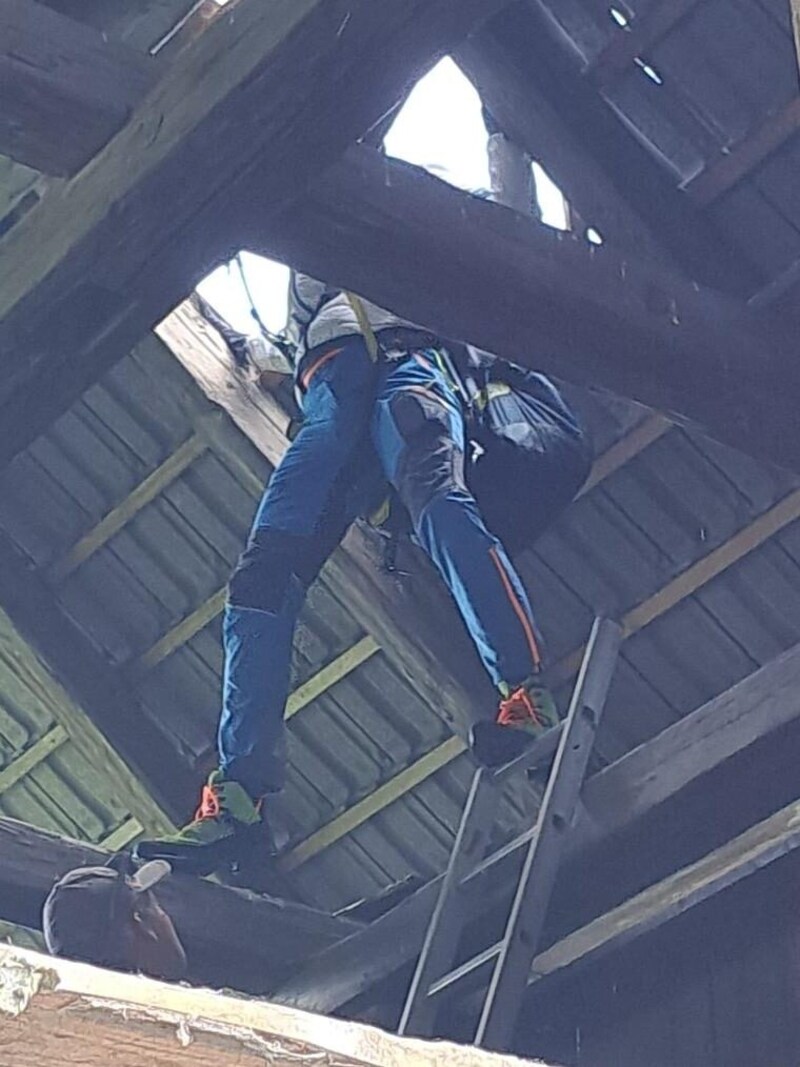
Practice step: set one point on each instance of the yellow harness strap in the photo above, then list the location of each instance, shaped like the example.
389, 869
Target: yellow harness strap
360, 312
489, 392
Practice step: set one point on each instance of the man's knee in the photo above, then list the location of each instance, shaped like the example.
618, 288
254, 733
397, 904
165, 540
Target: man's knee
267, 568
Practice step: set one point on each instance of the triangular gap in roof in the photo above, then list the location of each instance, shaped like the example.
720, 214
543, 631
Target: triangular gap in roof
441, 128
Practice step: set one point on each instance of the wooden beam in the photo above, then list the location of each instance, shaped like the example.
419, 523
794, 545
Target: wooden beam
106, 697
56, 1011
181, 633
616, 801
107, 254
796, 23
634, 40
377, 800
144, 493
231, 936
721, 174
122, 836
331, 674
66, 88
649, 430
608, 321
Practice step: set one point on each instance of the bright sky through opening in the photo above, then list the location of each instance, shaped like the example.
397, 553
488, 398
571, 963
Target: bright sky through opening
440, 128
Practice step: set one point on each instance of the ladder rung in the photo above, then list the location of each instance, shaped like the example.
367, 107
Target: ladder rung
466, 969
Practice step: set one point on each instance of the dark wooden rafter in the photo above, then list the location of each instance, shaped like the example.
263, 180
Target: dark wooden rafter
66, 89
694, 763
106, 255
233, 937
541, 298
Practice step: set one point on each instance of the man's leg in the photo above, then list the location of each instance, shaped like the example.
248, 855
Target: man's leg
298, 523
420, 436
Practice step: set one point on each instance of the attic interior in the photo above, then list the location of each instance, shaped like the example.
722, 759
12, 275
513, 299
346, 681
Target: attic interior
147, 143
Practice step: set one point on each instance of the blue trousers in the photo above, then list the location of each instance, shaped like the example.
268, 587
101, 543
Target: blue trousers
403, 419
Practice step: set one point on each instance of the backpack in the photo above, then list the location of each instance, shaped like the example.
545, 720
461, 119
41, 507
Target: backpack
531, 454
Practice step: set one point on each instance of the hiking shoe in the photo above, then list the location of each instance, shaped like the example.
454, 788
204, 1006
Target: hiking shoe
523, 715
225, 828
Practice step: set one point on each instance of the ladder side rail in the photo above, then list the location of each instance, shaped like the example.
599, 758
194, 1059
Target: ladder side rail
526, 919
449, 915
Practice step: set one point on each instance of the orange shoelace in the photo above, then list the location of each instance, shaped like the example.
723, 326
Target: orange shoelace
210, 806
518, 709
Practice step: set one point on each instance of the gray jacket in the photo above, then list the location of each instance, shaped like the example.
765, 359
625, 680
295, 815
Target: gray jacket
319, 314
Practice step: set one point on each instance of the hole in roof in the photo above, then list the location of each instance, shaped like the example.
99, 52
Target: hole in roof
552, 205
440, 127
649, 71
619, 17
593, 236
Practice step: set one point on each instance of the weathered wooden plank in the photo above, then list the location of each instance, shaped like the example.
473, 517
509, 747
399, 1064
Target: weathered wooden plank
56, 1011
66, 89
723, 868
243, 118
615, 800
231, 936
655, 771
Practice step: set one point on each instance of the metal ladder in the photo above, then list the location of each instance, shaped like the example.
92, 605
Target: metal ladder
511, 958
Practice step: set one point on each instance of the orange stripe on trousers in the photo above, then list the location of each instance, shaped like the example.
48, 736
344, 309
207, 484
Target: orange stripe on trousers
518, 608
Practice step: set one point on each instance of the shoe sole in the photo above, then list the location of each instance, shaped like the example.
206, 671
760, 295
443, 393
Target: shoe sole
202, 860
494, 745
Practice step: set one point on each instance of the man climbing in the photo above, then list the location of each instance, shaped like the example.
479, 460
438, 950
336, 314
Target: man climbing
372, 387
110, 916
